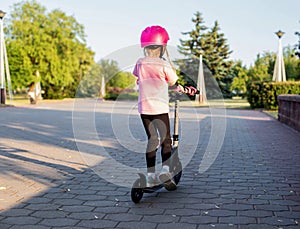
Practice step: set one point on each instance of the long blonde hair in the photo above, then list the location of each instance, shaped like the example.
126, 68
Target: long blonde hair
169, 60
153, 51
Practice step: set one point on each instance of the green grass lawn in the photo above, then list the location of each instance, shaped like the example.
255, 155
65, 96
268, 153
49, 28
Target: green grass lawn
273, 113
235, 103
17, 100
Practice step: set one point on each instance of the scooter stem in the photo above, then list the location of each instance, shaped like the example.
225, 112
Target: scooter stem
176, 121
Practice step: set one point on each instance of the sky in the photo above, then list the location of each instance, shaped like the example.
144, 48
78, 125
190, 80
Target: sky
249, 26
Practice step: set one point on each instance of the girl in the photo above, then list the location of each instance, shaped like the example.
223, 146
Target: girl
155, 75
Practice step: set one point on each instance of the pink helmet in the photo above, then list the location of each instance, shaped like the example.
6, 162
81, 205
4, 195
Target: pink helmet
154, 35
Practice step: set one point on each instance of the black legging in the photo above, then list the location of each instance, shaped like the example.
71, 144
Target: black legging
157, 126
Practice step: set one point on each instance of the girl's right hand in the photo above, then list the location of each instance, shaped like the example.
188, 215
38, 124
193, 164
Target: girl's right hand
179, 89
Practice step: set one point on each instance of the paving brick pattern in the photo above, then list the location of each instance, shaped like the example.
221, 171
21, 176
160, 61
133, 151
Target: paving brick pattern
45, 183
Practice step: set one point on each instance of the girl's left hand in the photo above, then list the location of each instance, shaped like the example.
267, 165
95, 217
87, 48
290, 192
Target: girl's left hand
186, 90
190, 90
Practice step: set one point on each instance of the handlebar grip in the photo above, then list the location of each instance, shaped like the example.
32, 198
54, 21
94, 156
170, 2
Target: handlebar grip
196, 93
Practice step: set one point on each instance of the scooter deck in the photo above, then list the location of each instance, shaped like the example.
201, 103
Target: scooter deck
153, 189
149, 189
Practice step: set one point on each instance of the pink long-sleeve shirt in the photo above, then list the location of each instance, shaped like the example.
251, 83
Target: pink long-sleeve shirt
154, 77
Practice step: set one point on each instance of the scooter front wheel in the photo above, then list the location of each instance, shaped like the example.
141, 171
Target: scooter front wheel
177, 172
137, 191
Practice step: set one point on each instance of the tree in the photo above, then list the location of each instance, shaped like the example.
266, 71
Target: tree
240, 80
115, 79
24, 42
109, 68
297, 46
195, 43
263, 67
51, 45
217, 55
90, 84
215, 52
123, 80
292, 64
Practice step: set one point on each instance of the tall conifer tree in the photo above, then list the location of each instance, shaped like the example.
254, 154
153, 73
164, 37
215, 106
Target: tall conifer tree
215, 49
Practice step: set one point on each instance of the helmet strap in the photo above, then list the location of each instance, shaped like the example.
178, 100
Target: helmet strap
162, 51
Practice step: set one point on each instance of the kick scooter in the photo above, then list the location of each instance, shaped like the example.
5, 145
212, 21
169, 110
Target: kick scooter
140, 185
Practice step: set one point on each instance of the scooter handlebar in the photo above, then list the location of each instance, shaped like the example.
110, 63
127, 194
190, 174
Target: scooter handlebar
191, 90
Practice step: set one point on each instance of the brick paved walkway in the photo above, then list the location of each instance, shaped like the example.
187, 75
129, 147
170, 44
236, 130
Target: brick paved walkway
45, 183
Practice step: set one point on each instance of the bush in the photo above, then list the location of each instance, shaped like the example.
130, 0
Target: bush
264, 94
254, 94
121, 94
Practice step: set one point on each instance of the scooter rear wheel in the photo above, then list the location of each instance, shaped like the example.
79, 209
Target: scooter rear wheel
137, 191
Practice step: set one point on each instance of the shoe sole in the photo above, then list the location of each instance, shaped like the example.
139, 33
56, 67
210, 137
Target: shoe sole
167, 181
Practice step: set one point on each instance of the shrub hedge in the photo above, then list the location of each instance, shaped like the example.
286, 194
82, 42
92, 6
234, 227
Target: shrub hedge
121, 94
263, 94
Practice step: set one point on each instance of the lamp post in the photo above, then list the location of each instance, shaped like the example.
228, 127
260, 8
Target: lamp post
201, 98
279, 69
102, 91
298, 46
4, 64
2, 88
279, 34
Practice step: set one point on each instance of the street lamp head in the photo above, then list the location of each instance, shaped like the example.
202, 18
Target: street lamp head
2, 14
279, 34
